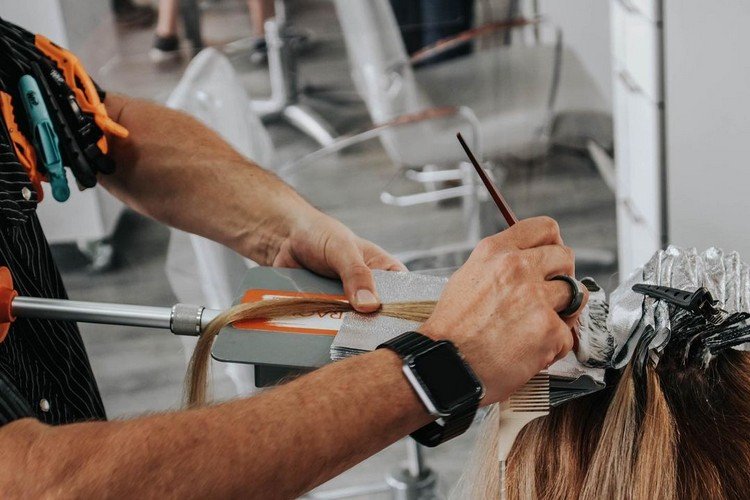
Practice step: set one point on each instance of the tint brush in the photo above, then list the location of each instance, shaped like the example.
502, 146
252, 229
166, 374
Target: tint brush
497, 197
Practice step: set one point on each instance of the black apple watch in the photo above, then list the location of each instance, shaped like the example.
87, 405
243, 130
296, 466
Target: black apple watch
444, 382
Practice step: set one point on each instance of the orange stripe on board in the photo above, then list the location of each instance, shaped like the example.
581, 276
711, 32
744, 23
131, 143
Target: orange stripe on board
316, 324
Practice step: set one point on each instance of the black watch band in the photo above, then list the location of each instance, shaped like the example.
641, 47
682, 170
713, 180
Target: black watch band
408, 343
446, 427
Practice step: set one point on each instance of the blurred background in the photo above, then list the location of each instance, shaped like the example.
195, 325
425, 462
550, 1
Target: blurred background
606, 115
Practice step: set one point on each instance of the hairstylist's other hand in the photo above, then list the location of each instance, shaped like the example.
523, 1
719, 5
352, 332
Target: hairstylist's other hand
329, 248
501, 311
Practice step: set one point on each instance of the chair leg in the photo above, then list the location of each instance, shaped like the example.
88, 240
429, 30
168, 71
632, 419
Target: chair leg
310, 122
411, 481
284, 102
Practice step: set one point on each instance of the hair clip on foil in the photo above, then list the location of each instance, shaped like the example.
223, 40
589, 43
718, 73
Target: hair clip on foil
699, 302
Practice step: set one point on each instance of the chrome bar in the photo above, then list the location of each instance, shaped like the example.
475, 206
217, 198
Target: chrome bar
92, 312
181, 319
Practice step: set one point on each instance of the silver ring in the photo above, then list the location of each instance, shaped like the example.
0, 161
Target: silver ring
576, 298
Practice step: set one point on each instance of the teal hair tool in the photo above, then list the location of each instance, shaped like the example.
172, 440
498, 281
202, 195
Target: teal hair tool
44, 136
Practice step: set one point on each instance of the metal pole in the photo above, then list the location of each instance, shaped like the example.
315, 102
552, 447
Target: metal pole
181, 319
414, 458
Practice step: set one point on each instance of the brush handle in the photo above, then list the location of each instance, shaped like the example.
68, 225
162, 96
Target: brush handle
505, 209
511, 425
503, 484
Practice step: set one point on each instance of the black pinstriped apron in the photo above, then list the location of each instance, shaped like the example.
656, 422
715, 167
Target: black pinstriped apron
44, 369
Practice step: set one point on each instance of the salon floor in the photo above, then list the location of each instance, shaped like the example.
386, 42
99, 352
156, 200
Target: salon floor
142, 371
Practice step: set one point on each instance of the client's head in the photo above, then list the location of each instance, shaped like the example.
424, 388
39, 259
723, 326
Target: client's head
673, 422
688, 438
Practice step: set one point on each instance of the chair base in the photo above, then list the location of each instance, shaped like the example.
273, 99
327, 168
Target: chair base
284, 103
412, 481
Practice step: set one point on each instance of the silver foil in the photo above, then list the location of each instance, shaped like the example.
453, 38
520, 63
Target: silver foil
630, 313
592, 345
361, 333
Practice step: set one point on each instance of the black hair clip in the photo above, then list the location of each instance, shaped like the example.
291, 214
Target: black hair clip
699, 302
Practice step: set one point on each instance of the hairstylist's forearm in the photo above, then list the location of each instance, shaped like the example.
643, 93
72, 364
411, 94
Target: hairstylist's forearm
276, 445
177, 171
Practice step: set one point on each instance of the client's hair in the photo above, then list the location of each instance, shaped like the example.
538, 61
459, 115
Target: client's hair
196, 381
675, 431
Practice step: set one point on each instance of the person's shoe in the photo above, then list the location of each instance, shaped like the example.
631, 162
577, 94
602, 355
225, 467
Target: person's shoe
165, 49
130, 15
259, 52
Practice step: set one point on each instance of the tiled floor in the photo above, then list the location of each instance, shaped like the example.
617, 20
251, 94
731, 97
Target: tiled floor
141, 371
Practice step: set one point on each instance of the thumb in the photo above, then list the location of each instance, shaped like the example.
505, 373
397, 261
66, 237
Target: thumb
359, 286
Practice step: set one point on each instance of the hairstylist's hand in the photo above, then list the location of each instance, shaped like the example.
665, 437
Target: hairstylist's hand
329, 248
500, 310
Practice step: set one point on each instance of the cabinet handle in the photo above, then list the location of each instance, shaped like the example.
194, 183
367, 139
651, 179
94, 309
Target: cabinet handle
628, 6
629, 82
631, 210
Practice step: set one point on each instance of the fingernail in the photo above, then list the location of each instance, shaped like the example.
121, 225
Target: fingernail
365, 298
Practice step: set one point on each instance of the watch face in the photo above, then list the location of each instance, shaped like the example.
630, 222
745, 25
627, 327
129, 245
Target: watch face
444, 376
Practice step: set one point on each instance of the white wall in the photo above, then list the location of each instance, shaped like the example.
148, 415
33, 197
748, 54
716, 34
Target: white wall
708, 129
38, 16
585, 27
83, 26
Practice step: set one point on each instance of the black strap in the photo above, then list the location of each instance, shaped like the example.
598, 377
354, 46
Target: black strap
436, 433
408, 343
446, 428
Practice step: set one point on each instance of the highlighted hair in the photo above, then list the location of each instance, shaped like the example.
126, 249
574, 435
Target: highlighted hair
688, 438
196, 382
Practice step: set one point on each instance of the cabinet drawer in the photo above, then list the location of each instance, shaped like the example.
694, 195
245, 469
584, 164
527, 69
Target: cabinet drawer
617, 20
650, 9
625, 262
637, 127
641, 62
645, 242
643, 157
636, 240
636, 50
620, 98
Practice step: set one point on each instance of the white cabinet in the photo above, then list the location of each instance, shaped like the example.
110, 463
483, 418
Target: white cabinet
641, 58
637, 84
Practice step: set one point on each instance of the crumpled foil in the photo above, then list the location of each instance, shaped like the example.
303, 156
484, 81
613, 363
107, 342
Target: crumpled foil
630, 313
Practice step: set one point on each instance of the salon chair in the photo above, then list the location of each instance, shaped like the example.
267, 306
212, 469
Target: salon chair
508, 95
286, 102
199, 270
501, 99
